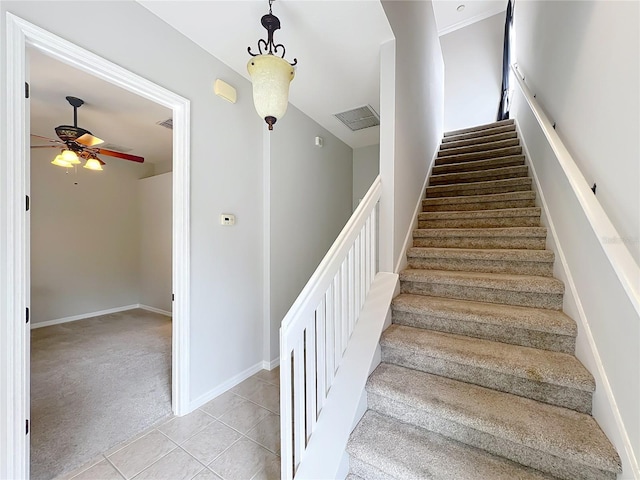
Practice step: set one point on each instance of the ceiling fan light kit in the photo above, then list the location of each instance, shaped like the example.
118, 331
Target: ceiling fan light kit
270, 73
78, 143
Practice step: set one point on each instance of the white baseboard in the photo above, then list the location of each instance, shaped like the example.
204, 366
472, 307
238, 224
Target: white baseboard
220, 389
84, 316
155, 310
266, 365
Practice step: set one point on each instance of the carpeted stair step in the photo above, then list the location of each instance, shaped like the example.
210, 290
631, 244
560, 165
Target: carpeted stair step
480, 128
558, 441
505, 217
550, 377
499, 173
480, 188
515, 261
383, 448
482, 139
521, 290
509, 161
352, 476
525, 326
478, 147
479, 134
484, 155
480, 202
513, 237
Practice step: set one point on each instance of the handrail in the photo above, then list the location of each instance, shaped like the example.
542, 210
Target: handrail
316, 330
621, 260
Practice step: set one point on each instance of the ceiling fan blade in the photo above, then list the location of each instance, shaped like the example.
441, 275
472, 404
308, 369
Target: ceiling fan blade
124, 156
45, 146
52, 140
89, 140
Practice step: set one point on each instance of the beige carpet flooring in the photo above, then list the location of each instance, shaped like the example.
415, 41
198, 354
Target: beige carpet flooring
94, 384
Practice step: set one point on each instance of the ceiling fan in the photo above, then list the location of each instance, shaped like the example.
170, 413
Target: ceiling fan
78, 143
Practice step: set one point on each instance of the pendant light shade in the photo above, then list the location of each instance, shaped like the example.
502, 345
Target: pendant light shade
93, 164
270, 73
71, 157
270, 76
61, 162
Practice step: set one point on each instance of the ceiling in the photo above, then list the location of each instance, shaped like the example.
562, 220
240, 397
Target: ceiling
336, 43
449, 19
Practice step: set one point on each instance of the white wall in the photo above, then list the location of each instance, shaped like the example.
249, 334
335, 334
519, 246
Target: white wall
155, 209
473, 73
226, 172
366, 166
84, 237
418, 113
582, 59
310, 200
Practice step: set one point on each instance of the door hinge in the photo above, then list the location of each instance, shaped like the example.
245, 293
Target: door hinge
28, 203
27, 432
173, 297
26, 90
27, 314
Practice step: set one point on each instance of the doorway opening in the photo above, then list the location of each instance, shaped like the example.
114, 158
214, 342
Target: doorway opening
16, 343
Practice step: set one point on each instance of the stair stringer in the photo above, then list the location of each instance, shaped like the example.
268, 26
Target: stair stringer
604, 408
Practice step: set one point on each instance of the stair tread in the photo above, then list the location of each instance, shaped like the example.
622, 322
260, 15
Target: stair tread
477, 128
498, 281
537, 319
480, 133
484, 154
484, 184
492, 197
482, 254
481, 146
481, 232
533, 364
407, 452
498, 212
479, 140
555, 430
517, 171
474, 165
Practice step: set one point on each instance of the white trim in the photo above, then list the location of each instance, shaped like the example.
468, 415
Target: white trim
401, 263
166, 313
82, 316
270, 365
223, 387
568, 280
472, 20
14, 402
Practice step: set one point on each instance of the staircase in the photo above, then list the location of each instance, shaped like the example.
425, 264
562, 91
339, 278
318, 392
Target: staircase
478, 379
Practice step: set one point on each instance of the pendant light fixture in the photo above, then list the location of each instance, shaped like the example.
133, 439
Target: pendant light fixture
270, 73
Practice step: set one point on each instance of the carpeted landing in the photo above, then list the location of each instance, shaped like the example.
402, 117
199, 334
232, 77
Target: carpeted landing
94, 384
478, 379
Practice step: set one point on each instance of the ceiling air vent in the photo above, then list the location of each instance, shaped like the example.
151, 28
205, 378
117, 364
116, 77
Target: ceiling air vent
168, 123
359, 118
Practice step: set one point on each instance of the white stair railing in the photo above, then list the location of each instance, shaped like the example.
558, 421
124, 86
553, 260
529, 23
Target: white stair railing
316, 330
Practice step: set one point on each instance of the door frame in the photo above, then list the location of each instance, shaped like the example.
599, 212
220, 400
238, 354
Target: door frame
14, 230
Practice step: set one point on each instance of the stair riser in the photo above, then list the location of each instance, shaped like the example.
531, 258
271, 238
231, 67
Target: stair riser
364, 470
481, 294
480, 128
533, 221
500, 152
543, 461
480, 176
529, 243
469, 189
544, 269
479, 134
512, 161
469, 207
474, 141
487, 331
479, 147
561, 396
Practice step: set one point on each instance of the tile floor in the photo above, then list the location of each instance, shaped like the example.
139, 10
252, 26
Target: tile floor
236, 436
